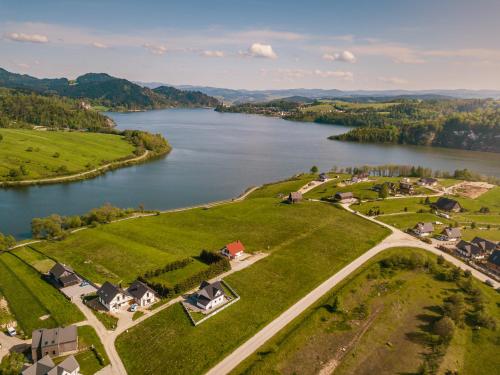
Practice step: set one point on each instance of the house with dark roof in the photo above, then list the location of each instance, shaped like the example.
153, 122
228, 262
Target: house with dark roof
423, 229
294, 197
470, 250
427, 181
46, 366
64, 275
209, 295
142, 294
487, 245
360, 177
447, 204
344, 197
406, 187
112, 297
322, 177
451, 234
233, 250
54, 342
494, 261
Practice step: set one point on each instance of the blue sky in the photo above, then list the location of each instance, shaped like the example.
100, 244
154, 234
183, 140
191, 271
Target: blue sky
259, 44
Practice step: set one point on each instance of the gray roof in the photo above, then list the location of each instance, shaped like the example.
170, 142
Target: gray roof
452, 232
208, 291
69, 364
469, 248
53, 336
42, 367
70, 279
109, 291
446, 204
428, 180
346, 195
495, 258
484, 244
295, 195
60, 269
425, 227
138, 289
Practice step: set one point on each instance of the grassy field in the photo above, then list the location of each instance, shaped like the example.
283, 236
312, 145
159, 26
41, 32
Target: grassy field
390, 206
30, 298
492, 234
308, 243
87, 359
43, 153
122, 251
399, 305
407, 221
38, 261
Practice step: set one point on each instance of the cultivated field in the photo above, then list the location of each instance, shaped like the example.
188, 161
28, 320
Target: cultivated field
380, 326
308, 242
33, 302
45, 154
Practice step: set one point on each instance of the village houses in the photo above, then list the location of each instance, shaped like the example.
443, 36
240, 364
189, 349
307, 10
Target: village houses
113, 298
54, 342
234, 250
46, 366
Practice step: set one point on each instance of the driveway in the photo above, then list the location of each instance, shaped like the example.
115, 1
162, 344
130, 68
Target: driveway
8, 344
77, 291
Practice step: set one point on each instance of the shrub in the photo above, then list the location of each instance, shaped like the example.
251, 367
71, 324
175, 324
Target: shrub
444, 328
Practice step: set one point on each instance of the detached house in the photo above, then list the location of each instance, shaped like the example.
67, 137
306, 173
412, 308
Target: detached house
64, 275
343, 197
46, 366
54, 342
451, 234
294, 197
142, 294
427, 181
112, 297
470, 250
210, 295
233, 250
406, 188
361, 177
494, 261
447, 204
322, 177
487, 245
423, 229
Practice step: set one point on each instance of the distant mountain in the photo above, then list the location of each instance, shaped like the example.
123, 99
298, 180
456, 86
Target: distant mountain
103, 89
242, 96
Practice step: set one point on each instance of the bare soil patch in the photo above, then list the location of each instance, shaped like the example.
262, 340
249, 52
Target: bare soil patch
472, 189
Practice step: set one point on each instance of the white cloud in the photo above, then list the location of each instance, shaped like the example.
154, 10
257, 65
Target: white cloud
209, 53
393, 80
262, 50
155, 49
344, 56
99, 45
30, 38
348, 76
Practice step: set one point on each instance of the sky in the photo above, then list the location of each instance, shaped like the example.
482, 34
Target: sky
347, 45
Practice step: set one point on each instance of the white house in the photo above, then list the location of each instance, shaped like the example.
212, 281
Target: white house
233, 250
46, 366
423, 229
113, 298
210, 295
143, 294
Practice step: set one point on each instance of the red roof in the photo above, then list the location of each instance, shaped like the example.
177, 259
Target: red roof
235, 247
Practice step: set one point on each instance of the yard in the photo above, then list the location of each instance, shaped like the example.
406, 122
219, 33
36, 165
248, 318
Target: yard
44, 153
33, 302
308, 243
408, 221
380, 320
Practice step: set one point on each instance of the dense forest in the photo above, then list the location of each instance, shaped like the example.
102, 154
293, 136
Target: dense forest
101, 89
471, 124
23, 110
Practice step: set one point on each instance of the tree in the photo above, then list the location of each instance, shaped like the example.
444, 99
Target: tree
314, 169
6, 242
12, 364
454, 307
440, 260
384, 191
444, 328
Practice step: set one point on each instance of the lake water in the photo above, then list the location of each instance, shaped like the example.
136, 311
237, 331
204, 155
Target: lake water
216, 156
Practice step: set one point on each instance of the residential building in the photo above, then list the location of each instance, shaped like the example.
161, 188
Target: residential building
487, 245
64, 275
233, 250
46, 366
360, 177
294, 197
447, 204
54, 342
406, 187
494, 261
112, 297
451, 234
423, 229
470, 250
210, 295
143, 295
427, 181
345, 197
322, 177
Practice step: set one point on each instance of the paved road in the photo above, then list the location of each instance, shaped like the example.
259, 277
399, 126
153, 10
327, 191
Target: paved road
396, 239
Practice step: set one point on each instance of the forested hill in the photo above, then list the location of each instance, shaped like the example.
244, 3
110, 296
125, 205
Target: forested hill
104, 90
26, 109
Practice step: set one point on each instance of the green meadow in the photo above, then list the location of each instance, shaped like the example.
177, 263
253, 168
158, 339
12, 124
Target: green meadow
42, 154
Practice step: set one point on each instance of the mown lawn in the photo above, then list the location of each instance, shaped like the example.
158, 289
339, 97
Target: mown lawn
399, 305
389, 206
42, 153
38, 261
308, 243
29, 297
408, 221
491, 234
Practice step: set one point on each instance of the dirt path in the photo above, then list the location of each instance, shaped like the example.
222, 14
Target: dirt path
75, 176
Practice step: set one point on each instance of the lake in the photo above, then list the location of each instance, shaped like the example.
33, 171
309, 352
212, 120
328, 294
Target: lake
217, 156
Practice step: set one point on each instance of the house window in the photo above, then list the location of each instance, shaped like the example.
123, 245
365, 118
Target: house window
53, 352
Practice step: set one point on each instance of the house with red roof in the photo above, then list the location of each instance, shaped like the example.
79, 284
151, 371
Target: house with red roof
233, 250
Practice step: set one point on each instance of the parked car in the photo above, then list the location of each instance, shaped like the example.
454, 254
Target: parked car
133, 307
84, 283
11, 331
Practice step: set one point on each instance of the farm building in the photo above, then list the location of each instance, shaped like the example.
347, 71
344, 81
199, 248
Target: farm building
294, 197
233, 250
343, 197
64, 275
209, 295
54, 342
447, 204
